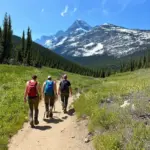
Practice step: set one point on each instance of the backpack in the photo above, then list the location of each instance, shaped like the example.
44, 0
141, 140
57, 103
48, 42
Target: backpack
49, 88
64, 86
32, 91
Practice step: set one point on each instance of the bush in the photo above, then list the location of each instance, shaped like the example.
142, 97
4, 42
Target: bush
109, 141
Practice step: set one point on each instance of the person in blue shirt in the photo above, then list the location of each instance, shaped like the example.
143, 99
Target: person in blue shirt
50, 93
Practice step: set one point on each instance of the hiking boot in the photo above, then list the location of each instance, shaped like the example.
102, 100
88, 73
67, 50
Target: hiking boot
31, 124
51, 115
36, 122
65, 111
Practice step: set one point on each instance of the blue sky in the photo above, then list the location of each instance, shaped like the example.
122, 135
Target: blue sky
45, 17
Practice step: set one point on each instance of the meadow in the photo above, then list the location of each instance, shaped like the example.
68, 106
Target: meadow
13, 111
114, 127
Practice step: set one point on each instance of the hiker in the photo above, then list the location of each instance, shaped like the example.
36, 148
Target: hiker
63, 91
49, 94
33, 93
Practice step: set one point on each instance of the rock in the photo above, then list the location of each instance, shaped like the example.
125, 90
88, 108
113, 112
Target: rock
62, 130
108, 100
86, 140
90, 134
133, 107
126, 103
73, 137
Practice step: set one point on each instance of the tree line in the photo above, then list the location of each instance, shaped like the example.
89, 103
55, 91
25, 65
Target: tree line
135, 64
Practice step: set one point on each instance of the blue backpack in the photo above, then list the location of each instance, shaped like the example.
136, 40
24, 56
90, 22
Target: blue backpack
49, 88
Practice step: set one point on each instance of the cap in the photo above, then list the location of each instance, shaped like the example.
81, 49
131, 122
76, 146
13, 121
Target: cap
49, 77
65, 76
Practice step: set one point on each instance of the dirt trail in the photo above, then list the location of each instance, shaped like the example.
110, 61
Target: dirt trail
61, 133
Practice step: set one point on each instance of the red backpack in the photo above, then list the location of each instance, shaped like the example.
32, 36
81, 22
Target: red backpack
32, 91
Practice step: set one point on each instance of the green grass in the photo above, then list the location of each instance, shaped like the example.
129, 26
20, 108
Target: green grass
116, 128
13, 111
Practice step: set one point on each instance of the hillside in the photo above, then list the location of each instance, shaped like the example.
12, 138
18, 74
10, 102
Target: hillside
100, 61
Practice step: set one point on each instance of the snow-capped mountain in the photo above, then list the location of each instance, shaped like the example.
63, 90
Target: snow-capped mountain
78, 27
83, 40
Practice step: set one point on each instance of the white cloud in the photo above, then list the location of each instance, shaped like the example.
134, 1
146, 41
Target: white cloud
104, 10
42, 10
74, 10
65, 11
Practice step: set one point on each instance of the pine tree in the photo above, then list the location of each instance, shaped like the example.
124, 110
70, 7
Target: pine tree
1, 47
28, 47
23, 46
10, 32
144, 61
5, 38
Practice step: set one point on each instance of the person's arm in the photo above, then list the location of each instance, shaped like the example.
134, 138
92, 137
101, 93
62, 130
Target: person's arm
43, 87
55, 88
70, 89
25, 92
59, 89
39, 89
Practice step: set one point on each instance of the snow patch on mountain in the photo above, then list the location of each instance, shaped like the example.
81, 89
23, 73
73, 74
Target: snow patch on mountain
81, 29
74, 44
90, 44
62, 41
48, 43
96, 50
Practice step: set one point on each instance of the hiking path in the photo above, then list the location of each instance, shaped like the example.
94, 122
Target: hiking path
63, 132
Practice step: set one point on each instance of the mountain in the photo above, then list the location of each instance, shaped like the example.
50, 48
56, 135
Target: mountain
78, 27
82, 40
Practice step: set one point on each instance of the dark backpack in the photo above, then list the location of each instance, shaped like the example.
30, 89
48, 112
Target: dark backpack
64, 86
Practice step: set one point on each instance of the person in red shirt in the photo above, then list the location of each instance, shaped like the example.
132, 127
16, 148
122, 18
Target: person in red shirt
33, 93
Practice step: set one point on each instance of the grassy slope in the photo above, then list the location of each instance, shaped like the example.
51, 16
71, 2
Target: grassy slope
100, 61
117, 128
13, 112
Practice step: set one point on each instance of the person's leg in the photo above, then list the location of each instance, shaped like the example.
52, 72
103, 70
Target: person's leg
30, 102
36, 105
62, 101
46, 99
51, 105
66, 102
